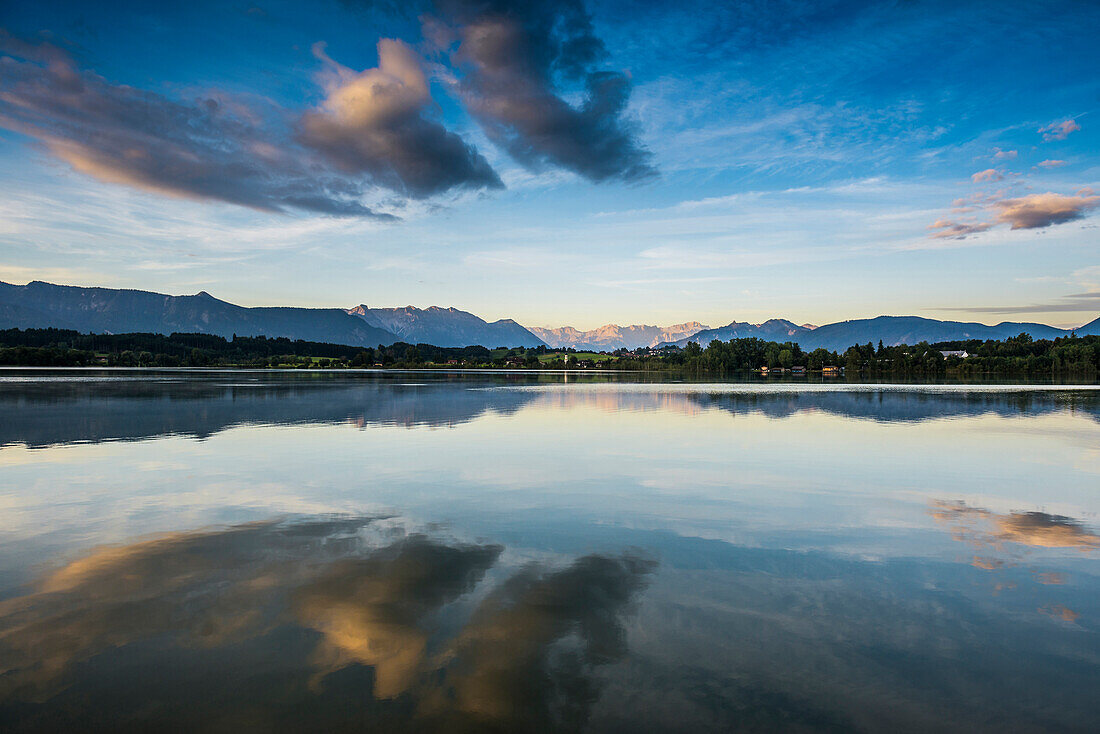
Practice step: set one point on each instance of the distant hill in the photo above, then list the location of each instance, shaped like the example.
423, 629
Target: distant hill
446, 327
108, 310
116, 311
779, 330
612, 336
891, 330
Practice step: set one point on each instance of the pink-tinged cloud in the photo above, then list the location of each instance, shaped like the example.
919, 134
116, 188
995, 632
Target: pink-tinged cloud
1059, 130
199, 148
374, 130
989, 174
1051, 163
1043, 210
375, 122
949, 230
1003, 155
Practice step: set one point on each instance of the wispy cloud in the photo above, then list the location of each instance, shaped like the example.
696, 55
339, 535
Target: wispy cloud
989, 174
950, 230
1073, 303
1059, 130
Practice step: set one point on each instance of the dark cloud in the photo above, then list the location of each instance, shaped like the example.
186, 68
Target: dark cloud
373, 122
512, 56
370, 132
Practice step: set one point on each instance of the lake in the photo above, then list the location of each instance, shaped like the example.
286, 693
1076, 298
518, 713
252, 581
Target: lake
424, 551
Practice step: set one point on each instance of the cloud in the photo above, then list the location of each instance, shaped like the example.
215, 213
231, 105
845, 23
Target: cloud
511, 56
990, 174
206, 148
1078, 303
1059, 130
1051, 163
374, 122
1034, 211
1043, 210
951, 230
1003, 155
371, 131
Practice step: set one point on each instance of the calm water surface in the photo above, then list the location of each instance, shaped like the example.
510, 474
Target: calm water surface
421, 552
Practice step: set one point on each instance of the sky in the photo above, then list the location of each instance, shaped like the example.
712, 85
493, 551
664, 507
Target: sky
562, 163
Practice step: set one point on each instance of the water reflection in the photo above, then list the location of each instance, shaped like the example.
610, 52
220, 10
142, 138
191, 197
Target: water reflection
343, 623
1007, 544
66, 408
986, 529
831, 558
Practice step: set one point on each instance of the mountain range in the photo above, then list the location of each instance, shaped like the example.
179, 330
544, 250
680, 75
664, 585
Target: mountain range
610, 337
891, 330
446, 327
108, 310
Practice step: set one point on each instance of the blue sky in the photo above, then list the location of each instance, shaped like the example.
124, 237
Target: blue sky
562, 162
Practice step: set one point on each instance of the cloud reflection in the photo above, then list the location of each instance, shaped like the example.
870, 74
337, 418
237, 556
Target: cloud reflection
526, 659
318, 600
983, 527
371, 610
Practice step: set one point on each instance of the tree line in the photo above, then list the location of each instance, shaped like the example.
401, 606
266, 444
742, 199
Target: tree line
1071, 356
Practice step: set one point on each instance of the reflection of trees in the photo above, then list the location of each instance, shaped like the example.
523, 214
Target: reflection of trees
46, 413
314, 601
41, 414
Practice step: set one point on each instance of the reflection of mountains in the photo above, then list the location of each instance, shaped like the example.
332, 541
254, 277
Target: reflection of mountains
905, 406
891, 405
41, 413
45, 413
314, 626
